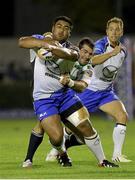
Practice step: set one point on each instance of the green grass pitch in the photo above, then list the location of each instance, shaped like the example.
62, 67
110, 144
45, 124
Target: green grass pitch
14, 137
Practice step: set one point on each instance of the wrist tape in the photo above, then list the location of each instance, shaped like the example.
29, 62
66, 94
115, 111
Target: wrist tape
71, 83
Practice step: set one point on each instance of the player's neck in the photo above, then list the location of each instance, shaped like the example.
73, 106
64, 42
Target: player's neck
114, 44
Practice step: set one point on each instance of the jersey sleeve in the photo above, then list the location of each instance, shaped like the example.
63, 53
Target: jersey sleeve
100, 46
38, 36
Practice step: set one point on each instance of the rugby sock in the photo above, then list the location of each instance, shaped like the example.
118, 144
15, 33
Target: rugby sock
34, 142
94, 144
118, 139
72, 141
66, 134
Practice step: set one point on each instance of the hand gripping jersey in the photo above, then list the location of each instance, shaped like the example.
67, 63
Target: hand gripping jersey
105, 73
47, 73
81, 72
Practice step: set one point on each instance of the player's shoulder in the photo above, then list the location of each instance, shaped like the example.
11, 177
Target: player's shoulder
101, 45
88, 67
38, 36
42, 36
123, 48
76, 65
102, 41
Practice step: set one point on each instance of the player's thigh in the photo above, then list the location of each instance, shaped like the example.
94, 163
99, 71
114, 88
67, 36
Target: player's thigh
53, 127
116, 109
80, 119
78, 116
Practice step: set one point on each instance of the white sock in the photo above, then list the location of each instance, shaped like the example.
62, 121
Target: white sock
118, 139
94, 144
63, 144
66, 134
54, 152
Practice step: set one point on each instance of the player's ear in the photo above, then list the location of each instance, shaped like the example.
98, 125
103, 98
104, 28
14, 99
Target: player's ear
69, 33
107, 32
52, 28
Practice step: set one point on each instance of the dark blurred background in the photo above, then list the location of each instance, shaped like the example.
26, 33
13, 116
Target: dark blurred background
25, 17
28, 16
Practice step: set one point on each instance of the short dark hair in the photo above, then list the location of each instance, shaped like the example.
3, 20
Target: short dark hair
86, 40
63, 18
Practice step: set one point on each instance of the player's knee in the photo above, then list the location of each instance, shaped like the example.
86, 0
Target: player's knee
122, 117
38, 130
86, 128
37, 133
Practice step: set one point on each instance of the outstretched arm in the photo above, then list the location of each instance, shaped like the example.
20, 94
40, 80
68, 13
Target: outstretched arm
50, 45
32, 42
